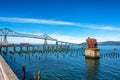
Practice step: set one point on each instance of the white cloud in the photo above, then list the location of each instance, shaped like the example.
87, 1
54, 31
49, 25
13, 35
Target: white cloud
38, 21
57, 36
67, 38
56, 22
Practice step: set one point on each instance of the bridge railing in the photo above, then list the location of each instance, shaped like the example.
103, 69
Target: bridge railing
5, 71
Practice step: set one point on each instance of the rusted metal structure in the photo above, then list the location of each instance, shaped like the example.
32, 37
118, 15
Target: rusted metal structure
92, 51
91, 42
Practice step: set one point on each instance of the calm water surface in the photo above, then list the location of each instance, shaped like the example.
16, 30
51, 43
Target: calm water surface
70, 65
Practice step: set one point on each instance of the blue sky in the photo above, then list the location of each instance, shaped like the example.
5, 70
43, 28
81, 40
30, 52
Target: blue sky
65, 20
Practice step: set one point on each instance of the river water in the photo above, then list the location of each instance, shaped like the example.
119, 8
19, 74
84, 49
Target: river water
70, 65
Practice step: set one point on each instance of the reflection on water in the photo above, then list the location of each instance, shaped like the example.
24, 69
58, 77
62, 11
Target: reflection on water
92, 68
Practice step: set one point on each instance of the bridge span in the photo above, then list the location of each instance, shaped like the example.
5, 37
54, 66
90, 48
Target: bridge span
59, 45
5, 32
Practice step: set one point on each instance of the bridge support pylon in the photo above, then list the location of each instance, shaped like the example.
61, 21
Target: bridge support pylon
5, 42
45, 42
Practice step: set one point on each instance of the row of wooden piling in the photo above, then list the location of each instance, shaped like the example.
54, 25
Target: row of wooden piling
110, 55
36, 76
39, 48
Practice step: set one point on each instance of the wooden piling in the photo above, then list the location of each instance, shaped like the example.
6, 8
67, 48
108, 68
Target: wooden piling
39, 75
35, 78
23, 72
0, 48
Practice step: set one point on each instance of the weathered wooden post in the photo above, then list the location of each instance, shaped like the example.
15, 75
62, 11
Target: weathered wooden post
35, 77
23, 72
39, 75
92, 51
0, 48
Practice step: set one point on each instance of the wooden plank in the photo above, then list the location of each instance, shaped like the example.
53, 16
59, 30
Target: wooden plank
6, 71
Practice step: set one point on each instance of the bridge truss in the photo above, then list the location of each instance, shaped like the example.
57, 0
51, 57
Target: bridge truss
7, 32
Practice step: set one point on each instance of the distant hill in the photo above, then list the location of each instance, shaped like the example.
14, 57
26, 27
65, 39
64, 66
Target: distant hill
112, 43
115, 43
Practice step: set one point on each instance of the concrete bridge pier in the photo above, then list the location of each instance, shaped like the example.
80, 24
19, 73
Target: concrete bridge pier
56, 45
33, 48
45, 42
27, 47
6, 49
52, 48
92, 53
30, 48
14, 48
5, 40
20, 48
38, 48
44, 47
61, 43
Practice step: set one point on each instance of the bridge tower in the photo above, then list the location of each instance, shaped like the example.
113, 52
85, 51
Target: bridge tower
45, 42
5, 42
1, 40
56, 43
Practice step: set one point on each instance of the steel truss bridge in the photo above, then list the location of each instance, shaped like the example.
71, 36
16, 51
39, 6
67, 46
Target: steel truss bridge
5, 32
